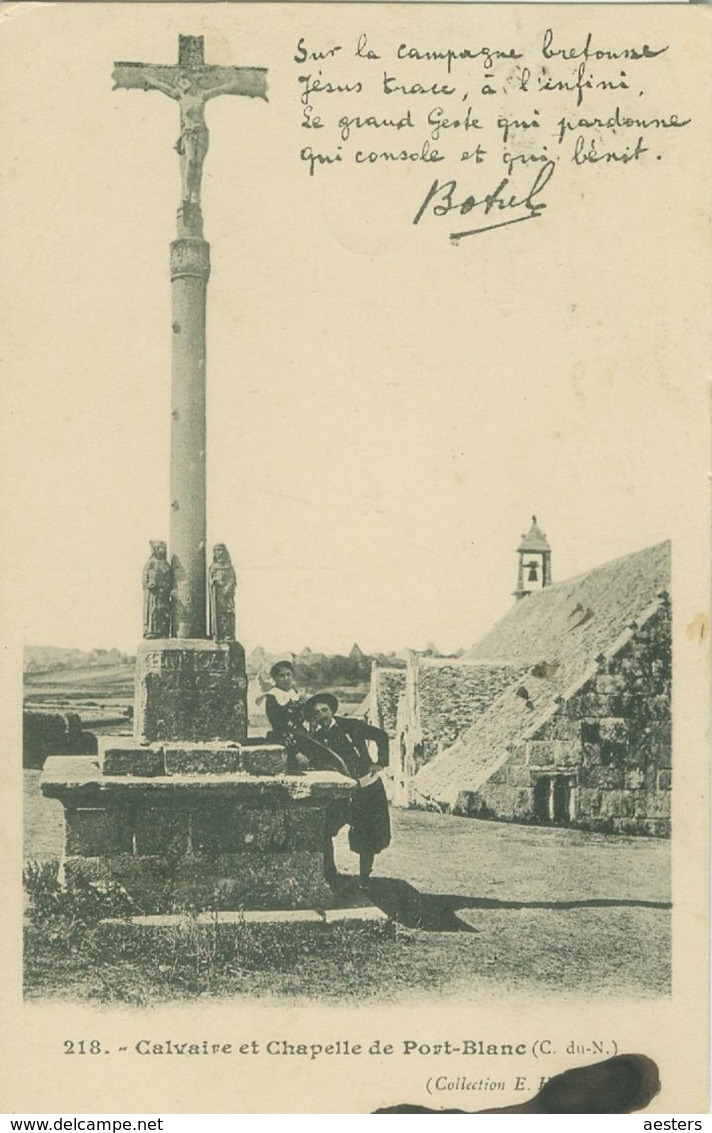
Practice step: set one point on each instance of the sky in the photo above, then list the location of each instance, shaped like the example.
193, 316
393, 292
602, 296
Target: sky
386, 411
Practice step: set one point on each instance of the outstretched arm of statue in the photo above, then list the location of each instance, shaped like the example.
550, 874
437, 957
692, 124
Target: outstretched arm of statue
150, 82
250, 81
232, 86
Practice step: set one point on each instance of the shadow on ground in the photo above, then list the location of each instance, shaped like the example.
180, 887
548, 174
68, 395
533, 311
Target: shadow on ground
436, 912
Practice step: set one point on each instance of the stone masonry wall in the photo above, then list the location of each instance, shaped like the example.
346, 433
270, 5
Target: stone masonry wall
391, 683
451, 697
613, 735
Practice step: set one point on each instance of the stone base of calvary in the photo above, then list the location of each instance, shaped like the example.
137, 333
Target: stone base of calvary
186, 826
190, 814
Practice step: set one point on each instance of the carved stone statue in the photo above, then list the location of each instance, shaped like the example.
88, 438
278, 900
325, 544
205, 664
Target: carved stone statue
191, 96
192, 145
222, 583
157, 588
191, 83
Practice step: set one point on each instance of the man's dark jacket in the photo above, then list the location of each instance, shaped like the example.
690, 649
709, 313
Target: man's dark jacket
366, 812
348, 738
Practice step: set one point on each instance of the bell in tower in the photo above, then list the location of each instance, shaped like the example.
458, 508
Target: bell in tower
534, 567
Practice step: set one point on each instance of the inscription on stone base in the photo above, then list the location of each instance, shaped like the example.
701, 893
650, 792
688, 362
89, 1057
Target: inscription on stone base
190, 690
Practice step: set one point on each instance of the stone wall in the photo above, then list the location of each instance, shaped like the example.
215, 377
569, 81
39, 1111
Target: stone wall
389, 684
610, 744
451, 696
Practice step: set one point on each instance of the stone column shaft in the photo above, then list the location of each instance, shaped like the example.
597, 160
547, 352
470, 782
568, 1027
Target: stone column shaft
190, 269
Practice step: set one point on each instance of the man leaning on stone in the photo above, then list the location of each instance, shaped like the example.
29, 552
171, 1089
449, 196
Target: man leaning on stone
366, 811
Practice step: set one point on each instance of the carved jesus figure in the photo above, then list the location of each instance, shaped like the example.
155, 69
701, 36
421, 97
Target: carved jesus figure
190, 83
192, 145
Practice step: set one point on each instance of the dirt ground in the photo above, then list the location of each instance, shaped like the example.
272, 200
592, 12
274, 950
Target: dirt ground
543, 906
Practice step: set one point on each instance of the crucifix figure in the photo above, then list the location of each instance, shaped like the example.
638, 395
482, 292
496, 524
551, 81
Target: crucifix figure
190, 82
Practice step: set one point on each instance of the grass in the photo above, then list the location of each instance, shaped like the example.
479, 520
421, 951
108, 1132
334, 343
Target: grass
70, 955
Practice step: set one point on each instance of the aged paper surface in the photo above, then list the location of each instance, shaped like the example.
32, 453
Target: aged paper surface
388, 406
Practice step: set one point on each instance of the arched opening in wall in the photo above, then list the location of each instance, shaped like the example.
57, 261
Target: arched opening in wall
555, 799
562, 799
541, 798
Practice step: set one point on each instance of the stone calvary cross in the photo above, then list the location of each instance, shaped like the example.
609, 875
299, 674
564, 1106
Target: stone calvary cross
190, 811
191, 82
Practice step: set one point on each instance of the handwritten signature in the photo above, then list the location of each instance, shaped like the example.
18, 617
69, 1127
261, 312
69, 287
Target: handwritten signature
443, 198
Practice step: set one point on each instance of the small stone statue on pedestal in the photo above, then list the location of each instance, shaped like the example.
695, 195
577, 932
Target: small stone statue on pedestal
157, 587
222, 582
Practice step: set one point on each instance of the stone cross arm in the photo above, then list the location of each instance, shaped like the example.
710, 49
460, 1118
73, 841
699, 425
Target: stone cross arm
207, 81
191, 81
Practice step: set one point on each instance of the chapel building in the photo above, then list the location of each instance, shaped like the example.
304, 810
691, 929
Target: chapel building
561, 714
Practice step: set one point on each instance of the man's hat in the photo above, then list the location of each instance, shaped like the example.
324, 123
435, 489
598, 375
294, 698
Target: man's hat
327, 698
280, 665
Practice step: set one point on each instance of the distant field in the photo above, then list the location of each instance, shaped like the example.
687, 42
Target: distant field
112, 680
101, 696
117, 680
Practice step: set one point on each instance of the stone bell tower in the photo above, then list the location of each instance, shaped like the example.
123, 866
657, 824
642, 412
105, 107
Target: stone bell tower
534, 567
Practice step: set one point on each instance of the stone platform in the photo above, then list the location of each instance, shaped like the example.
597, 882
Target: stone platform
190, 827
232, 923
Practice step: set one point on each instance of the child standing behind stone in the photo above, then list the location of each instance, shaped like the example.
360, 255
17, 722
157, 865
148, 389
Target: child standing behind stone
285, 712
